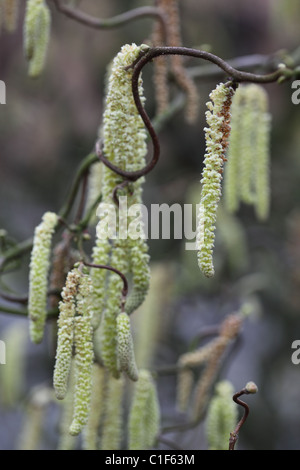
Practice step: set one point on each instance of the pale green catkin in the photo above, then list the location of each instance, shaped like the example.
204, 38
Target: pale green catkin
37, 28
65, 337
144, 418
112, 427
138, 256
262, 167
248, 125
84, 356
247, 173
91, 430
222, 417
94, 188
101, 252
10, 11
108, 327
232, 170
218, 117
38, 275
126, 357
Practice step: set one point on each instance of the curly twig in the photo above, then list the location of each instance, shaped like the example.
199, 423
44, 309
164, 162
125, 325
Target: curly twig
250, 388
114, 22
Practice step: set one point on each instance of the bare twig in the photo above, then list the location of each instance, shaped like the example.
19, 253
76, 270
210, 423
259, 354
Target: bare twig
114, 22
250, 388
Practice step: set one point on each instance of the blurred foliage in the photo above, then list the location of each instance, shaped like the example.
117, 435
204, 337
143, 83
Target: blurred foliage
50, 124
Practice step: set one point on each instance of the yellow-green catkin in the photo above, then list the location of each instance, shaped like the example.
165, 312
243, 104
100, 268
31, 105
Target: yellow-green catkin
218, 119
262, 164
247, 173
84, 355
10, 10
232, 170
144, 418
222, 417
38, 275
37, 28
108, 327
138, 256
65, 338
126, 357
91, 430
94, 188
112, 426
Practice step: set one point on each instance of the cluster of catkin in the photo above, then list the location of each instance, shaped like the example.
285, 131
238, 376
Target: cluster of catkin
247, 172
118, 244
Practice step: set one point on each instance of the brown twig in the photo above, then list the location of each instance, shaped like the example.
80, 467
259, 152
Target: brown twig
116, 271
250, 388
114, 22
234, 75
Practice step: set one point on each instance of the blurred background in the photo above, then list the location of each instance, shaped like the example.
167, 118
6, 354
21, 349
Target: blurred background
46, 128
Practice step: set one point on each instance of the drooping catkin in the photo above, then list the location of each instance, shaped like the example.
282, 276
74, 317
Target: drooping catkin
84, 355
94, 188
126, 358
138, 257
247, 173
112, 427
218, 120
91, 430
10, 11
221, 417
262, 167
108, 327
38, 275
144, 418
232, 170
65, 337
37, 28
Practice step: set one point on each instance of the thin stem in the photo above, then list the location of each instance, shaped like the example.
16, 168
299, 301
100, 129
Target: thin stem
81, 172
81, 205
16, 252
114, 270
24, 313
235, 433
114, 22
233, 74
